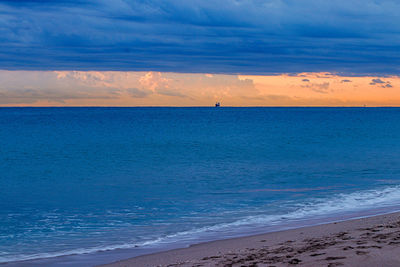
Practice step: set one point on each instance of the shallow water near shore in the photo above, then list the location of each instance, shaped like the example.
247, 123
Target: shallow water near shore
82, 180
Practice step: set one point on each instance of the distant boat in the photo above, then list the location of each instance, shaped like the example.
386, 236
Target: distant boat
217, 104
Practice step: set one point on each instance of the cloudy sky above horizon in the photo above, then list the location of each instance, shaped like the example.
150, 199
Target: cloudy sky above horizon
117, 88
192, 53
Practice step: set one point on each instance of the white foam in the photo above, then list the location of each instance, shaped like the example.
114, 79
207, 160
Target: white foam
339, 203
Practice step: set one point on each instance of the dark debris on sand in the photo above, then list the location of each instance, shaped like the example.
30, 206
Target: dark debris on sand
328, 250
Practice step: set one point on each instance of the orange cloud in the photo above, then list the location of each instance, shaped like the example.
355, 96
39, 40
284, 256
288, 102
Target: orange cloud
111, 88
326, 89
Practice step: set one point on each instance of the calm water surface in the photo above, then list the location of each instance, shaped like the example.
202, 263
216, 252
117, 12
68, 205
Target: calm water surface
78, 180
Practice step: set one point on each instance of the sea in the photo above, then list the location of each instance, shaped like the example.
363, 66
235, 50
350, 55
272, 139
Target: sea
84, 186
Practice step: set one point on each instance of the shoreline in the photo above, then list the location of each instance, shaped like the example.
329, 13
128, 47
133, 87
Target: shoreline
367, 241
129, 256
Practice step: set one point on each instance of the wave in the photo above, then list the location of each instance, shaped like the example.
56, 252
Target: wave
313, 208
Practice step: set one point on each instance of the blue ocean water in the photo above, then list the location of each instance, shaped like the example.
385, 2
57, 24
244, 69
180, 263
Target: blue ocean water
81, 180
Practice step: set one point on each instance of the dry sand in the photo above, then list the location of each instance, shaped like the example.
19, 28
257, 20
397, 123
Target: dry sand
373, 241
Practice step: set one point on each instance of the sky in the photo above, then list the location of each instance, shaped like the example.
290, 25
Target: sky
193, 53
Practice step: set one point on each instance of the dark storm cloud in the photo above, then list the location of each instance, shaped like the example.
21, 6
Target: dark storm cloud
221, 36
374, 81
305, 80
381, 83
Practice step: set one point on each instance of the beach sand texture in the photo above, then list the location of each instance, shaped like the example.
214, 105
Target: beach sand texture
373, 241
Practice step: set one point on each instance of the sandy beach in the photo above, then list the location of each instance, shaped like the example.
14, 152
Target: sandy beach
372, 241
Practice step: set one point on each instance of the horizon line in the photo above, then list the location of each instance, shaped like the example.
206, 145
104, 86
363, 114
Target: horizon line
200, 107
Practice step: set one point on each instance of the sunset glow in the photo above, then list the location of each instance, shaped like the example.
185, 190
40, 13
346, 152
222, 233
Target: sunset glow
112, 88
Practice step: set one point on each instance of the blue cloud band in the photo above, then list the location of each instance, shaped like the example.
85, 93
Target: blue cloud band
220, 36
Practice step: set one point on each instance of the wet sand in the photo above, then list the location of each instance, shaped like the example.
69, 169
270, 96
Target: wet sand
373, 241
